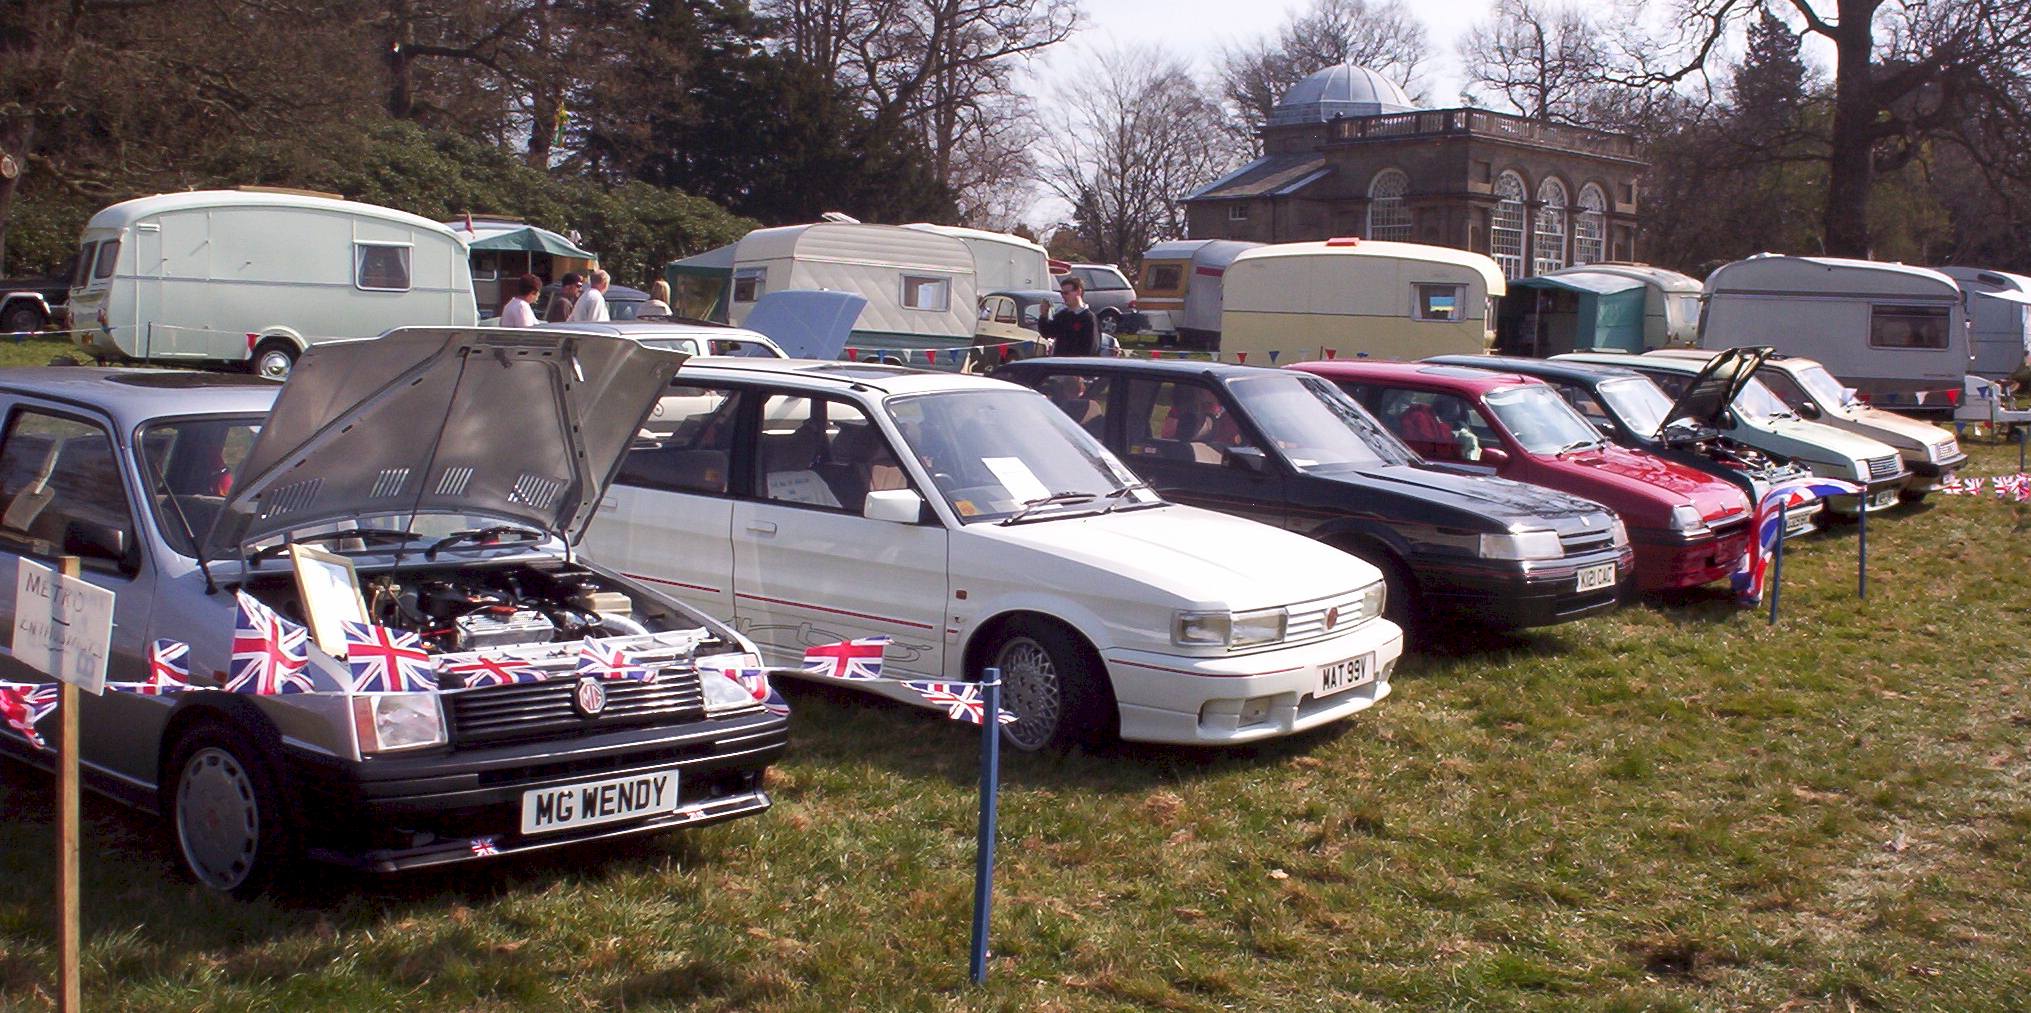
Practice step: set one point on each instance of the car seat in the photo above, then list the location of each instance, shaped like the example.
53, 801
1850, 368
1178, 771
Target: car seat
1421, 428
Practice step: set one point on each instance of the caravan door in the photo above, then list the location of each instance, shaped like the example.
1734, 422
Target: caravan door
145, 287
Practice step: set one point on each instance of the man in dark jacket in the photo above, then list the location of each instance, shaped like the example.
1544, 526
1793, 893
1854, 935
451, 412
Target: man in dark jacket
1076, 328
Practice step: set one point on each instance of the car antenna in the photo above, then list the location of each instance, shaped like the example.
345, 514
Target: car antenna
197, 544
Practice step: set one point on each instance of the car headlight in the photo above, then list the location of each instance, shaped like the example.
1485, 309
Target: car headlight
1252, 629
390, 721
1229, 629
1373, 599
1686, 517
1618, 533
1522, 545
724, 694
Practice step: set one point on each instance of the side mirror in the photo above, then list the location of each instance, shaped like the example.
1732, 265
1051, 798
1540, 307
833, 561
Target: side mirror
897, 506
1493, 457
1807, 409
1605, 427
1247, 458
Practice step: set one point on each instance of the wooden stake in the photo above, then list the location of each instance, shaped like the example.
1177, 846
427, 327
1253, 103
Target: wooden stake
68, 993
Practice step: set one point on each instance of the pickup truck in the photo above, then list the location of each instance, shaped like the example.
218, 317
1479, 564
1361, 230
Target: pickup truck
32, 303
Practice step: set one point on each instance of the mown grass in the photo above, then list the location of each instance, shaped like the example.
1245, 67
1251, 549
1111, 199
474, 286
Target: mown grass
37, 350
1674, 807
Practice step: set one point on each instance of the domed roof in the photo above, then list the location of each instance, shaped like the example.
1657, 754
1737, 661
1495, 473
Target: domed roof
1345, 90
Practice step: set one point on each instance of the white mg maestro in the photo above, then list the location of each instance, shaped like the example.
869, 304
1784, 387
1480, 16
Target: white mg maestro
976, 525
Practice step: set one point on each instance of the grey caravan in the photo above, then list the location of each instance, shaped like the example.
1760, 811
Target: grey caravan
1998, 306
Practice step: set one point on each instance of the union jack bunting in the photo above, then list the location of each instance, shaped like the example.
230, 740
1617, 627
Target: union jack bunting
269, 652
493, 672
857, 660
387, 661
602, 660
1961, 487
1765, 528
21, 706
756, 682
168, 669
962, 700
483, 847
2013, 487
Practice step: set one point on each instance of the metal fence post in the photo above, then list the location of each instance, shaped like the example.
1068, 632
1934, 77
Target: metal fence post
1777, 559
990, 789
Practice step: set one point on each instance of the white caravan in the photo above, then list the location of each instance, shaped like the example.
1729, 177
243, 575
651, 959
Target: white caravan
1894, 332
1001, 262
1998, 308
1357, 298
919, 286
1181, 287
1671, 301
255, 276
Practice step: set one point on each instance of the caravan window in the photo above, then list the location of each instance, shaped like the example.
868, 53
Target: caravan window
1164, 277
927, 293
109, 254
84, 266
1439, 302
1908, 326
381, 267
749, 283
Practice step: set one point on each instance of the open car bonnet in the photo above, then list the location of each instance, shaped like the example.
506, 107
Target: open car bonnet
526, 426
1715, 388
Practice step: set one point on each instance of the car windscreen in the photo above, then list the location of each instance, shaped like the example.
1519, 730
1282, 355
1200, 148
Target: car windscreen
1639, 403
1540, 419
1312, 423
744, 348
685, 345
1821, 385
992, 454
1758, 404
188, 465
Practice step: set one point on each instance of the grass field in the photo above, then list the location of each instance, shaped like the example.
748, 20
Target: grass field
1675, 806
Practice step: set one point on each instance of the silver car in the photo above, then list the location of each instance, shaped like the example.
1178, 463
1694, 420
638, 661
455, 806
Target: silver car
453, 469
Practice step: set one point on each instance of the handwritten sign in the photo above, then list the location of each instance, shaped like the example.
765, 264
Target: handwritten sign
62, 626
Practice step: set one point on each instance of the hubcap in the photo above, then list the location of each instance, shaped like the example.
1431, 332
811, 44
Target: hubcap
1030, 685
218, 822
274, 365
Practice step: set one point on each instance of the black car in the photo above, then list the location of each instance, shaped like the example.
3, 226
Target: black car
1293, 451
1632, 410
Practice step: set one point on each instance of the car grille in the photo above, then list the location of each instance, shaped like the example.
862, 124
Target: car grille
1578, 542
1308, 618
545, 709
1726, 526
1882, 467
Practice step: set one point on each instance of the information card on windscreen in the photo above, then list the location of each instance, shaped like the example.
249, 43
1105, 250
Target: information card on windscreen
62, 626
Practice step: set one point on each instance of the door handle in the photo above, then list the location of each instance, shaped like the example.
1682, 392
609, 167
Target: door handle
762, 527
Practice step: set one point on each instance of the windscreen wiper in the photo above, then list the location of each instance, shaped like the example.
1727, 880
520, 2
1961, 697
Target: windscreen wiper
487, 534
1044, 501
1578, 445
1120, 496
363, 534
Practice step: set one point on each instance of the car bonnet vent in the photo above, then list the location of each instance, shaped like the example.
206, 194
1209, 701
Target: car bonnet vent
389, 483
290, 498
453, 481
535, 490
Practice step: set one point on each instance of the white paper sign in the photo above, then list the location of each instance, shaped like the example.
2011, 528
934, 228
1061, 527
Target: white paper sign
62, 626
1017, 478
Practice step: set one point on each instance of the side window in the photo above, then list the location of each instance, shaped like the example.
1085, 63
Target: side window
60, 489
379, 267
83, 272
1781, 384
923, 292
109, 258
1440, 427
822, 453
1582, 400
687, 443
1083, 398
1004, 311
1439, 302
749, 283
1164, 277
1908, 326
1179, 422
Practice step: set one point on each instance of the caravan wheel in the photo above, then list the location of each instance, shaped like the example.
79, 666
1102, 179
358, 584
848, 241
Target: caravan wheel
274, 358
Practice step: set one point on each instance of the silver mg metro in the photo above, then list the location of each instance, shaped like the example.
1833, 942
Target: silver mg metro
453, 470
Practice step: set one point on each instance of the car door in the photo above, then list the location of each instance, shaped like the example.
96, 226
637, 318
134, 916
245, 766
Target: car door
809, 568
668, 517
1185, 438
64, 492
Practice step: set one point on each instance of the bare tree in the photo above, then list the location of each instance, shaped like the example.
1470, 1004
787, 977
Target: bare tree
1141, 133
1545, 60
1382, 35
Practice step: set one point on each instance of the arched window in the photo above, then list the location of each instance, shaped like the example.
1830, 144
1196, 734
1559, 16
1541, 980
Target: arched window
1550, 248
1590, 227
1388, 214
1505, 229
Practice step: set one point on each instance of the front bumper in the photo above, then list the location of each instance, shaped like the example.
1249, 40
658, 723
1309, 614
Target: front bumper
1927, 475
1243, 698
1516, 595
1880, 494
402, 812
1672, 561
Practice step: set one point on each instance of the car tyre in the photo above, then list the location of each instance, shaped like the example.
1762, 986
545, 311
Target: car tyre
1402, 604
22, 318
273, 359
227, 816
1055, 686
1110, 322
1912, 497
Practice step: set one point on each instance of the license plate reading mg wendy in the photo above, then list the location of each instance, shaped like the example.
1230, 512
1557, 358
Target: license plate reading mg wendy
1597, 576
1345, 675
573, 806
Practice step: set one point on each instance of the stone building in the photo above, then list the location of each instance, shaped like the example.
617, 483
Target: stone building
1345, 153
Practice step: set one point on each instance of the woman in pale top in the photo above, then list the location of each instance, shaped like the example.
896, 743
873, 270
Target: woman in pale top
659, 300
519, 310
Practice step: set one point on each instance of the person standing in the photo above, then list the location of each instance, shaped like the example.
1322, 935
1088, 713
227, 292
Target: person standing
566, 298
519, 310
659, 300
1076, 328
591, 305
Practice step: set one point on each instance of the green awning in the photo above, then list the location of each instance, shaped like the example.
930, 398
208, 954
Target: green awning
1598, 283
530, 239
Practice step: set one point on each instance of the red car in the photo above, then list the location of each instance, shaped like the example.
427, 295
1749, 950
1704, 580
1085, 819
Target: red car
1688, 527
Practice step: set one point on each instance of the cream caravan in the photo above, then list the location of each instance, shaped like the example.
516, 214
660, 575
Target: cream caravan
919, 285
1357, 298
1001, 262
256, 276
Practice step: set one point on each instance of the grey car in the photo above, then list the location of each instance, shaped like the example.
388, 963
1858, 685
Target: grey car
1109, 293
454, 470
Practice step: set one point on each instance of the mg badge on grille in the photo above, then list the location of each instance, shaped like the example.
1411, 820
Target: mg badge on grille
1333, 617
589, 698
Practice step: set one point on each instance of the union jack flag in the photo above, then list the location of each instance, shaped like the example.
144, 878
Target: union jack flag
21, 706
603, 660
2013, 487
494, 672
756, 682
168, 669
1971, 486
858, 660
387, 661
962, 700
483, 847
269, 652
1748, 576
